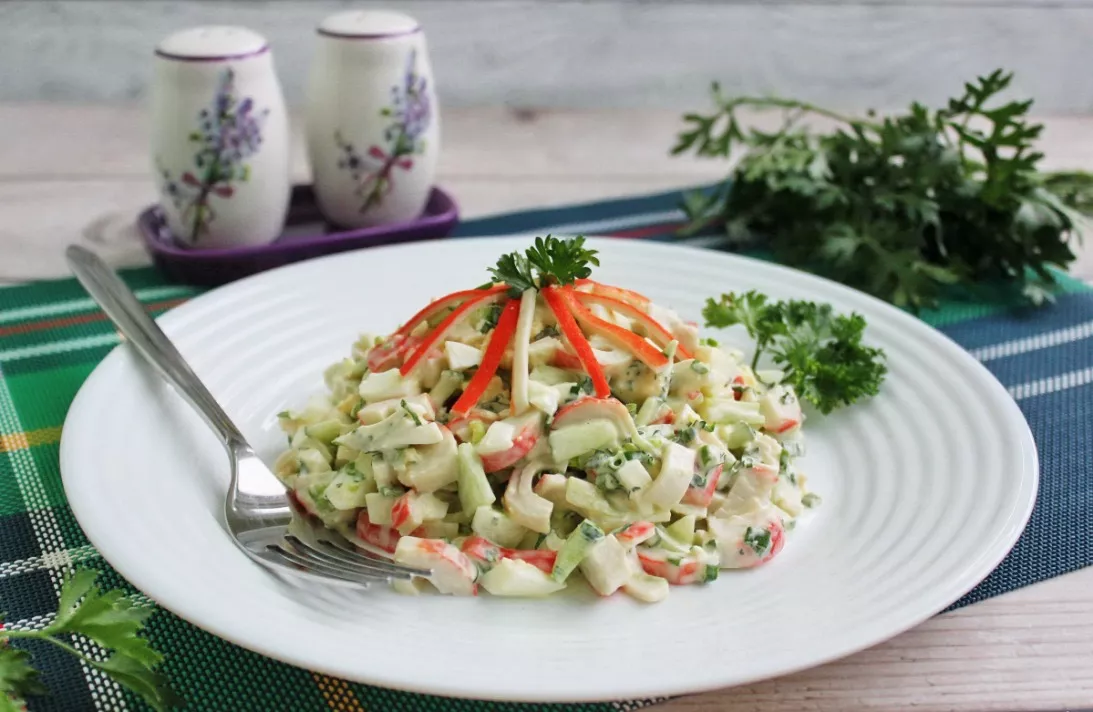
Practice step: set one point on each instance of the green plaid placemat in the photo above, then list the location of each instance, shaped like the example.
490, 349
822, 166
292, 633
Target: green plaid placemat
52, 336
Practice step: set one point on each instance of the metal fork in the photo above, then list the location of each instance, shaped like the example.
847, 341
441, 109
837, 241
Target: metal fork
263, 522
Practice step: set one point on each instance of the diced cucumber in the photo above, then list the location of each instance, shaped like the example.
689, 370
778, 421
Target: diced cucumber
605, 566
550, 375
446, 386
584, 497
513, 577
327, 430
574, 550
727, 411
646, 588
497, 526
575, 440
474, 487
648, 411
683, 530
664, 540
737, 435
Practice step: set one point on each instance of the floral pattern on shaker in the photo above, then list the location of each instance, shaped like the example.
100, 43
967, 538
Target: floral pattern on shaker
230, 132
409, 115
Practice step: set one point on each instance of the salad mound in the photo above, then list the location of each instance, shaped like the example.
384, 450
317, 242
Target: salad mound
548, 427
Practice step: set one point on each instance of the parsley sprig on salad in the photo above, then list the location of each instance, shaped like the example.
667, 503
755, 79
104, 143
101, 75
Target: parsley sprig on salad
108, 619
548, 261
820, 351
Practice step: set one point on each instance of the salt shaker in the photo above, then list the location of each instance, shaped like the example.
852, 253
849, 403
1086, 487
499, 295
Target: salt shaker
372, 124
220, 139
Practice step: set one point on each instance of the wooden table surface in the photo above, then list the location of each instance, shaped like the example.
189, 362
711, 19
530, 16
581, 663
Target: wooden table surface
80, 174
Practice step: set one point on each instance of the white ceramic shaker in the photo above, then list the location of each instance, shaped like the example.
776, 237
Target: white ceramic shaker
372, 125
220, 139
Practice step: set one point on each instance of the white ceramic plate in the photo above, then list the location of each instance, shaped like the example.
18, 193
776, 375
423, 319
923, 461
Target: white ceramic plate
924, 491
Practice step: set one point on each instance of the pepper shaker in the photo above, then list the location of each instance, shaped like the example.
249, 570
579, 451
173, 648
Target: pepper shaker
372, 124
220, 139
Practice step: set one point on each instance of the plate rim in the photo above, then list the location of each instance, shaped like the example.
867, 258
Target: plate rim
1030, 476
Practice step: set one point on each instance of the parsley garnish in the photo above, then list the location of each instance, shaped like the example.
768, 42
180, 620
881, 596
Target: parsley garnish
901, 207
820, 351
548, 261
108, 619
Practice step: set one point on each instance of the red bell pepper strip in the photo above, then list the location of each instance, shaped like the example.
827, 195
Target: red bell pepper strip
499, 341
483, 296
648, 354
387, 354
437, 305
623, 295
659, 334
559, 306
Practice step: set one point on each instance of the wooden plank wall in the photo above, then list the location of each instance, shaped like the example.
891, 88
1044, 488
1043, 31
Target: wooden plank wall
597, 53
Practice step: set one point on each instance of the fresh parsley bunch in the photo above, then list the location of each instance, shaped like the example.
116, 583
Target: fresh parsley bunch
106, 618
821, 352
900, 207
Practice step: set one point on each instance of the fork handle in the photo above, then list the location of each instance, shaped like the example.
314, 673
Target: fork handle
127, 314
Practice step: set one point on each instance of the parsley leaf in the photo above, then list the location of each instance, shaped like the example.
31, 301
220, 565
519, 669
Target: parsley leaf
549, 260
106, 618
821, 352
758, 540
908, 208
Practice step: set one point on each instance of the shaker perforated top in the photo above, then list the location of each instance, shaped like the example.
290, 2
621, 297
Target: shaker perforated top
368, 24
212, 43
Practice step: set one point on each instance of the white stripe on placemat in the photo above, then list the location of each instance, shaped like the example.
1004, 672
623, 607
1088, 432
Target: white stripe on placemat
57, 347
47, 532
53, 561
150, 294
1035, 343
1052, 384
613, 224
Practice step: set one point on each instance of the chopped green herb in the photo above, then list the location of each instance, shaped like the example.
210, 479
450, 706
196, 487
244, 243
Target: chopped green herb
699, 367
489, 321
284, 415
583, 385
758, 540
811, 500
547, 331
410, 412
675, 560
710, 574
709, 342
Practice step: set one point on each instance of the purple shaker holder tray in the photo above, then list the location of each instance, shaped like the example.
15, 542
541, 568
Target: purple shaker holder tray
306, 235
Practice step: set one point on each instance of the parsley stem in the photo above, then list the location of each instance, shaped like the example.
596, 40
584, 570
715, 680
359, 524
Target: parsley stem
42, 635
787, 104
